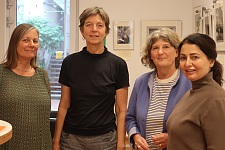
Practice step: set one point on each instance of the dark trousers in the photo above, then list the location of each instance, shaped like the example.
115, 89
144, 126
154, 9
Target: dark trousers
106, 141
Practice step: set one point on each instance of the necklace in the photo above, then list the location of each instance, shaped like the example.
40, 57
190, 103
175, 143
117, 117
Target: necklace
24, 70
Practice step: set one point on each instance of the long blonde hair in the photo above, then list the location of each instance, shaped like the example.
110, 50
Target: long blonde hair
11, 56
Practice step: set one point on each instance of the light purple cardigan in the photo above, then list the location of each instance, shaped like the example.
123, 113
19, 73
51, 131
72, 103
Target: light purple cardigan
139, 102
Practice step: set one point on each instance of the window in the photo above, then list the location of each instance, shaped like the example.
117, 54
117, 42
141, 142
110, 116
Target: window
52, 18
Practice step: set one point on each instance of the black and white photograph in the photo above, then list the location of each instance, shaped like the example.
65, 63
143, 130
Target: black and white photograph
197, 11
149, 26
219, 25
150, 29
123, 35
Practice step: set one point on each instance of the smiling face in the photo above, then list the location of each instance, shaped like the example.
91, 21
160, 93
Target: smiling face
163, 54
28, 45
194, 63
94, 30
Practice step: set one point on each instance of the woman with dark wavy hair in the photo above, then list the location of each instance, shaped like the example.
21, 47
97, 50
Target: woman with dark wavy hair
198, 120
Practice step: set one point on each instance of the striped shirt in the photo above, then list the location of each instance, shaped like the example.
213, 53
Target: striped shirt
157, 107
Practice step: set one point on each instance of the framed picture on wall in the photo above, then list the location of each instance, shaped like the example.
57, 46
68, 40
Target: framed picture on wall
218, 26
207, 21
123, 35
149, 26
197, 11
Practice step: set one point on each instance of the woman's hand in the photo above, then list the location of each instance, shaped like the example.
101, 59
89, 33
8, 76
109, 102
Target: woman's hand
160, 140
140, 143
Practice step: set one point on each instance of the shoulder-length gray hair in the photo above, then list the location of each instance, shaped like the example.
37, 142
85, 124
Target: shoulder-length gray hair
164, 34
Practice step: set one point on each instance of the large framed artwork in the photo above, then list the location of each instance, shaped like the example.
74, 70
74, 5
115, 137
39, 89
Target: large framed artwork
197, 11
207, 21
218, 26
149, 26
123, 35
210, 20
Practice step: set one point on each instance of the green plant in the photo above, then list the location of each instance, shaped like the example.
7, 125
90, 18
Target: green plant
50, 39
51, 36
41, 63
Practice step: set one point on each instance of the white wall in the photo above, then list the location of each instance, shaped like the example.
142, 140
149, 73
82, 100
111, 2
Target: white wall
127, 10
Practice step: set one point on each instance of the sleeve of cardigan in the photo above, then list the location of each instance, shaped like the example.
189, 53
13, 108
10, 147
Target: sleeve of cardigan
213, 124
131, 122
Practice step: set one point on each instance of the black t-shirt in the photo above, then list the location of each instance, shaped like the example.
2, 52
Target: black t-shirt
93, 80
